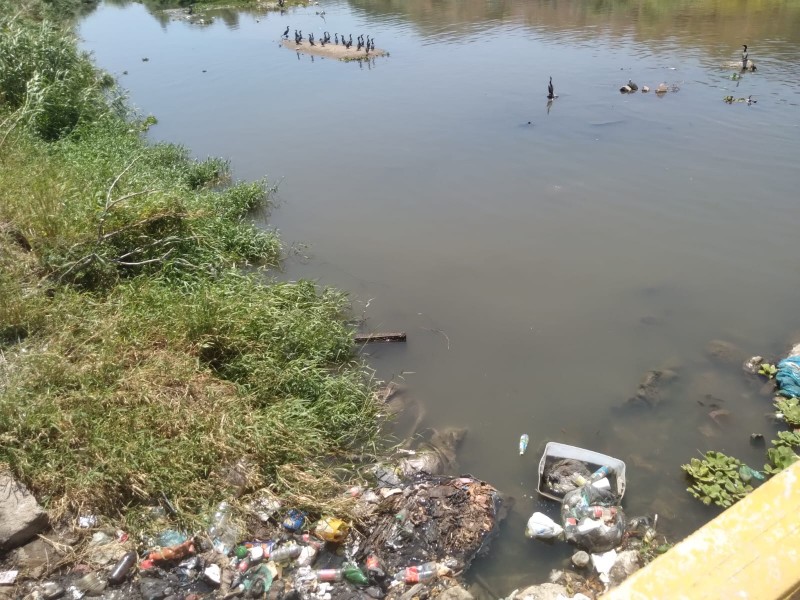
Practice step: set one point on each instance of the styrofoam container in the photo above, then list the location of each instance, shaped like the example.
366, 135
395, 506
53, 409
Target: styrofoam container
557, 451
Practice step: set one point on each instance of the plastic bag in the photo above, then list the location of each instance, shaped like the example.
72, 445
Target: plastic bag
542, 527
592, 519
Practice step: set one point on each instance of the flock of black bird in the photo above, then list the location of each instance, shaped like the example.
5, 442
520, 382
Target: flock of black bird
367, 43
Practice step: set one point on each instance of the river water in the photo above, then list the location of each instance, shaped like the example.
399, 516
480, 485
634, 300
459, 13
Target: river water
540, 260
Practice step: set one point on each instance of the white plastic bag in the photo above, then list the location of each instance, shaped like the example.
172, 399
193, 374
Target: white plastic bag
542, 527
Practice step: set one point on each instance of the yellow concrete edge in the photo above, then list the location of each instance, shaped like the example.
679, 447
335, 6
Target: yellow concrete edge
750, 551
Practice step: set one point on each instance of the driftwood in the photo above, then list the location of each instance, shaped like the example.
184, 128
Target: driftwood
366, 338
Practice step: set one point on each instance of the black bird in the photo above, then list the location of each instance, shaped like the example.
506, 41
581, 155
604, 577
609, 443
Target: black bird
550, 94
372, 44
286, 33
322, 41
744, 56
351, 40
311, 39
336, 35
360, 44
301, 35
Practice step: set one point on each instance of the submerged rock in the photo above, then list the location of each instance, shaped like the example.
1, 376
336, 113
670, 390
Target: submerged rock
753, 364
650, 390
724, 352
627, 564
436, 457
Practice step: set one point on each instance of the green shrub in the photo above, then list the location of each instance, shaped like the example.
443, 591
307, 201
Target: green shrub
50, 85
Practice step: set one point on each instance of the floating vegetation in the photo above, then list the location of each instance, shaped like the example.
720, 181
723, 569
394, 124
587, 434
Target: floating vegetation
717, 479
767, 370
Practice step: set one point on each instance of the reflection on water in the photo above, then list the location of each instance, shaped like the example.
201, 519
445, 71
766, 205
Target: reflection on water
541, 258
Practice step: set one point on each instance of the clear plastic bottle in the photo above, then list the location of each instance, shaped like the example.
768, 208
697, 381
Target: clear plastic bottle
420, 574
286, 553
223, 533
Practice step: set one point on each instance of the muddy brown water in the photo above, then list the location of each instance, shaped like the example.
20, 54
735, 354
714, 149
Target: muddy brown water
540, 261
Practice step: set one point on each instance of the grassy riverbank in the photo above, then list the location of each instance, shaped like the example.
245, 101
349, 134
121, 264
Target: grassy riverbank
137, 358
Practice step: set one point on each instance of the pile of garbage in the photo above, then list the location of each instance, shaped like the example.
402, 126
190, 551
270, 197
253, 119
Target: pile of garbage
589, 487
411, 535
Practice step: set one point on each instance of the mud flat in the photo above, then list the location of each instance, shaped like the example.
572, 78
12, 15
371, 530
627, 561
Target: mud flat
337, 52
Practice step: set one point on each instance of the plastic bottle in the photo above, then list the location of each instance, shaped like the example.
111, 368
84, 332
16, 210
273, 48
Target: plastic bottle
122, 568
420, 574
374, 566
286, 553
603, 471
353, 574
222, 532
329, 574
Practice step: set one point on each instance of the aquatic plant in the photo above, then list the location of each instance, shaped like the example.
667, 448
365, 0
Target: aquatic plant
787, 438
789, 408
767, 370
716, 479
779, 458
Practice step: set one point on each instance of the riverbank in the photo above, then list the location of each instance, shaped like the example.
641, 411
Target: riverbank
140, 363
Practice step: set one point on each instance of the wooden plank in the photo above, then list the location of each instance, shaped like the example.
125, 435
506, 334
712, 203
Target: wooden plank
366, 338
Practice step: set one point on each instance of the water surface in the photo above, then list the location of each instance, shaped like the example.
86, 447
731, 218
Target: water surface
540, 261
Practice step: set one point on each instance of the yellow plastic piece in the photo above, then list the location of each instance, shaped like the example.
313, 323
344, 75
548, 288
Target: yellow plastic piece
751, 551
331, 529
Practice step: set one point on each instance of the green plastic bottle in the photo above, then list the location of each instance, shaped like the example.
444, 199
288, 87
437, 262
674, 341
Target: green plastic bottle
353, 574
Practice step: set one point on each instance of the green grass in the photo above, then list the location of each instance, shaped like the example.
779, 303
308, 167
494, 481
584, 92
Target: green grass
137, 357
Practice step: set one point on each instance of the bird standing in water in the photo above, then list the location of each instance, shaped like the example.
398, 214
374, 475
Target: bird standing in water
550, 94
744, 56
286, 33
